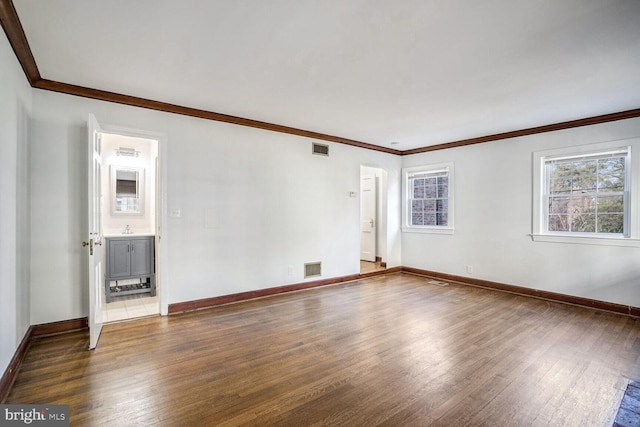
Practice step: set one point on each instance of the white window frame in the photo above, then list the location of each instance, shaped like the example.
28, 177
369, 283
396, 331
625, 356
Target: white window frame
632, 195
406, 199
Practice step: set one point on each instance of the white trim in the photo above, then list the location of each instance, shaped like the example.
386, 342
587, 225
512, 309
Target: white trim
408, 173
632, 239
428, 229
586, 240
597, 154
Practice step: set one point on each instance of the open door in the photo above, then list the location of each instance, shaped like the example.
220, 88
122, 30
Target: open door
368, 218
94, 242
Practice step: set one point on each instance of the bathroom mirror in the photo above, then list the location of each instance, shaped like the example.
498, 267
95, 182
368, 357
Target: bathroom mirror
127, 186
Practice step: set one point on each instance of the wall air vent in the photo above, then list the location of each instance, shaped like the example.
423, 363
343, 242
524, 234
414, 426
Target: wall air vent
320, 149
312, 269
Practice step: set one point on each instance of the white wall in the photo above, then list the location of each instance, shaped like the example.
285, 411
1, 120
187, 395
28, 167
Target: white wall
493, 203
15, 108
253, 203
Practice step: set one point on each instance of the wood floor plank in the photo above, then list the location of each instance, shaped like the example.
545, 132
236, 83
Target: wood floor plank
390, 350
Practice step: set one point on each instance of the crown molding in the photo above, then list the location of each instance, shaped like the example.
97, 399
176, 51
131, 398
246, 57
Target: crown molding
18, 40
604, 118
134, 101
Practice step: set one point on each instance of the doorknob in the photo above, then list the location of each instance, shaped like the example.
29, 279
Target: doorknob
372, 222
90, 244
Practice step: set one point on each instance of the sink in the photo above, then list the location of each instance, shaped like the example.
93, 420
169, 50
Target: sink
134, 233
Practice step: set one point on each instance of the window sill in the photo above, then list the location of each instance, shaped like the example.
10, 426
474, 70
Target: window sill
586, 240
430, 230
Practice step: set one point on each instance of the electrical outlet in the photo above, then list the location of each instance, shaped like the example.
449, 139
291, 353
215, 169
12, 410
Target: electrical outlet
176, 213
469, 269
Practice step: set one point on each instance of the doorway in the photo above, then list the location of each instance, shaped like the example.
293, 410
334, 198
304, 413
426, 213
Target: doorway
373, 219
130, 206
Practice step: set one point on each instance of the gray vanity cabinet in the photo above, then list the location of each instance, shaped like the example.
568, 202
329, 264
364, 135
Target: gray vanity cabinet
129, 258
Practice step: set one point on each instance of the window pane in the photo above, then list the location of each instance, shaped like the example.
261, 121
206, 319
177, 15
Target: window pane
417, 218
611, 174
583, 204
584, 223
560, 185
610, 223
586, 194
559, 223
443, 190
442, 218
611, 204
429, 198
430, 219
559, 205
429, 205
584, 175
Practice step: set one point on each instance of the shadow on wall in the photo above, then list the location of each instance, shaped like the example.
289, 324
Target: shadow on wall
23, 224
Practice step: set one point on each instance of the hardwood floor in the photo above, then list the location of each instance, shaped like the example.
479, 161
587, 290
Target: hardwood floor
368, 267
393, 350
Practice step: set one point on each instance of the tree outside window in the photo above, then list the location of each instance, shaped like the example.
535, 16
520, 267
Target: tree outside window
586, 194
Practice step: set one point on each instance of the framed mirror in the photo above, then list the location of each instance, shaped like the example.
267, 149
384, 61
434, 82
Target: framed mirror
127, 186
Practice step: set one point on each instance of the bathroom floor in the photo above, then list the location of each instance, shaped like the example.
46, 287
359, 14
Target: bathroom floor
129, 307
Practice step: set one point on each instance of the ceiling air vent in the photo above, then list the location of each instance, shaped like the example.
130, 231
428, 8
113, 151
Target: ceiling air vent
320, 149
312, 269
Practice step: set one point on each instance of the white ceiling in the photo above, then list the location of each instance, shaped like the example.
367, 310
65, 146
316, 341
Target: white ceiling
419, 72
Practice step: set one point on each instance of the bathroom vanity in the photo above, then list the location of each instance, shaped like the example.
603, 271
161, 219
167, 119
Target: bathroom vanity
130, 266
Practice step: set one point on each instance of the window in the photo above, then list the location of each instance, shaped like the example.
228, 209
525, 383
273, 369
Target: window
428, 201
584, 195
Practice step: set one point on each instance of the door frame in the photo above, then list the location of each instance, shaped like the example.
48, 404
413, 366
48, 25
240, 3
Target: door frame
382, 209
161, 240
371, 257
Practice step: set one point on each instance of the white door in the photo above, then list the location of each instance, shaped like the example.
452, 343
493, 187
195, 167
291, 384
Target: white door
368, 218
94, 239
